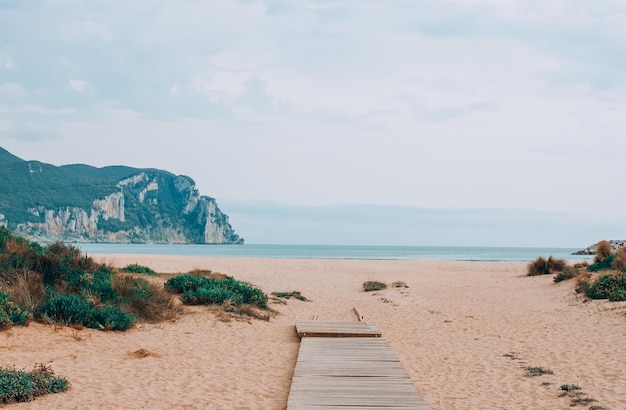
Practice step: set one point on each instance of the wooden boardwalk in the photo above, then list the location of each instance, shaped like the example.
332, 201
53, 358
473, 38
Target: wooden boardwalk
323, 328
350, 372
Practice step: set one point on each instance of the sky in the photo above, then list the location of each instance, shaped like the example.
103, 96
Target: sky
426, 104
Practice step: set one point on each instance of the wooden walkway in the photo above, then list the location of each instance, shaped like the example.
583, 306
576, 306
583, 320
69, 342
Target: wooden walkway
349, 370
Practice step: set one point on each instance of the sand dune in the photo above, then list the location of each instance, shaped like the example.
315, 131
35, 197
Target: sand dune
463, 331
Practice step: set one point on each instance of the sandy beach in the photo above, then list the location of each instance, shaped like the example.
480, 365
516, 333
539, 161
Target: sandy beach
464, 332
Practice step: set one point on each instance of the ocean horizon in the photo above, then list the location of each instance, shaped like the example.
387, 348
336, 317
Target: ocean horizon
367, 252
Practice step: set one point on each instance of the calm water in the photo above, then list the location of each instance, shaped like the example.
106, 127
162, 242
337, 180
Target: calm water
487, 254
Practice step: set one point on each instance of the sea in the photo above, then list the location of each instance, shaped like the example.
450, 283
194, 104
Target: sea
450, 253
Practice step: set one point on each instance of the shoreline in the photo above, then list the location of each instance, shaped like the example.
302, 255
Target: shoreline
462, 330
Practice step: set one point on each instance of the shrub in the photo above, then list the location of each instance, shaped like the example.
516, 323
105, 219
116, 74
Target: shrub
372, 285
12, 313
21, 386
143, 299
134, 268
201, 290
181, 283
603, 251
542, 266
211, 296
70, 309
619, 261
112, 318
606, 286
604, 264
288, 295
569, 387
566, 274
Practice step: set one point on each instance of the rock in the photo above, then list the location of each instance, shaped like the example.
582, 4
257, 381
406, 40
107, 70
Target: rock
591, 250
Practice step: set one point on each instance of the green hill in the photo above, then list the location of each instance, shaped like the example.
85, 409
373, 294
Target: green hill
111, 204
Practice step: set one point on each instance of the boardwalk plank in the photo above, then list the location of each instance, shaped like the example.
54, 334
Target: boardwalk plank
347, 364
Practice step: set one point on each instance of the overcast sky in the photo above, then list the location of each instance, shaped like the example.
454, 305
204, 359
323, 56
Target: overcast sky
427, 103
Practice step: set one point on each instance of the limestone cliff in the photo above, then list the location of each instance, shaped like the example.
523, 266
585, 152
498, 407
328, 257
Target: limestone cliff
112, 204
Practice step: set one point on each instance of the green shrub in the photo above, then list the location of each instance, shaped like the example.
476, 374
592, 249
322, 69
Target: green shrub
287, 295
211, 296
134, 268
372, 285
112, 318
604, 264
181, 283
617, 295
200, 290
11, 313
569, 387
565, 275
21, 386
606, 286
542, 266
70, 309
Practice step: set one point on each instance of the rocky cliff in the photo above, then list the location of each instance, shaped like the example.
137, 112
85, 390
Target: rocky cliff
79, 203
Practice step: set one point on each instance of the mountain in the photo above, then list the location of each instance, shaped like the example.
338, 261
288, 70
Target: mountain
81, 203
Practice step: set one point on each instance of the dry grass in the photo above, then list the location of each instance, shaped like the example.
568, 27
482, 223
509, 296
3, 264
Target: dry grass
149, 301
25, 287
619, 263
208, 274
543, 266
603, 251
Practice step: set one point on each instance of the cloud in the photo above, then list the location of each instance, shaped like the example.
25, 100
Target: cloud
78, 85
6, 61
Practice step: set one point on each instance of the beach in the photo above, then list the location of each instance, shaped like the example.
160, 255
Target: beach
464, 332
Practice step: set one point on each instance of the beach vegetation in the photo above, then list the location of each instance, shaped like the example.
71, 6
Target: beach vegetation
604, 264
201, 290
12, 313
568, 273
57, 284
603, 251
619, 261
543, 266
536, 371
569, 387
611, 286
23, 386
287, 295
373, 285
135, 268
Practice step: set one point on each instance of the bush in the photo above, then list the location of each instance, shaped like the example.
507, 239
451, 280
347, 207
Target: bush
112, 318
211, 296
21, 386
143, 299
201, 290
604, 264
603, 251
181, 283
619, 261
566, 274
69, 309
134, 268
11, 313
542, 266
372, 285
607, 286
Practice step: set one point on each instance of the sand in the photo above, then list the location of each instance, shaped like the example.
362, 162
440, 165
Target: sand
464, 332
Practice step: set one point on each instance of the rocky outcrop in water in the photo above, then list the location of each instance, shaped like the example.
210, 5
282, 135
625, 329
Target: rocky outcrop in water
79, 203
591, 250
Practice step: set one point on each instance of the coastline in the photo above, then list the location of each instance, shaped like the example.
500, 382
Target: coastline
462, 330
